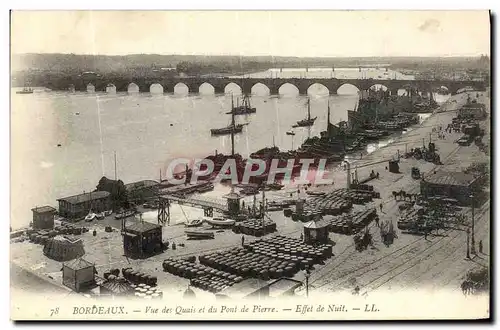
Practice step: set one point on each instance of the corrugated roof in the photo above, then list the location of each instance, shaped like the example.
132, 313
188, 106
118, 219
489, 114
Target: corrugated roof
142, 227
450, 178
78, 264
77, 199
43, 209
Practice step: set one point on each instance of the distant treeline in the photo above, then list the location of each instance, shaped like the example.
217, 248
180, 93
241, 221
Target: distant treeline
38, 66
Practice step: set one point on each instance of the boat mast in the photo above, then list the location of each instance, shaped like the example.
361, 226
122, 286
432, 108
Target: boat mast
115, 167
328, 124
233, 126
308, 108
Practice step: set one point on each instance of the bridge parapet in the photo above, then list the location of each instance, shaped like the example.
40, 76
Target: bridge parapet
246, 84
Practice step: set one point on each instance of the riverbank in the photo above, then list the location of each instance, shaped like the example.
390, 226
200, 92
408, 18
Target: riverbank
369, 269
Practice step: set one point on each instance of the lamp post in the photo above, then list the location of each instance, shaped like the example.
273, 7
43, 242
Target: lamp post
307, 273
473, 241
468, 232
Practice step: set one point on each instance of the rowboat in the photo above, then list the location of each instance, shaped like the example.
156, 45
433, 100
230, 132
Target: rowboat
192, 234
194, 223
124, 214
315, 193
91, 216
219, 222
100, 216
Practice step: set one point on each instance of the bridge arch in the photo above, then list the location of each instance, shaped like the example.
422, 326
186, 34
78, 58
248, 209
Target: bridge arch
233, 88
347, 89
90, 88
206, 89
318, 89
110, 88
288, 89
260, 89
377, 87
181, 88
133, 88
156, 88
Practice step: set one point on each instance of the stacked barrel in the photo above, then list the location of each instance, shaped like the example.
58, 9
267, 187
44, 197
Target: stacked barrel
145, 291
255, 227
42, 236
291, 250
352, 224
137, 277
201, 275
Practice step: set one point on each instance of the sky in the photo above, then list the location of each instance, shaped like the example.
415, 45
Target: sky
253, 33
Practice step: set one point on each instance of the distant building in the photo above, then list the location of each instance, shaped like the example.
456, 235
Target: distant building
43, 217
78, 206
142, 190
142, 239
455, 185
473, 111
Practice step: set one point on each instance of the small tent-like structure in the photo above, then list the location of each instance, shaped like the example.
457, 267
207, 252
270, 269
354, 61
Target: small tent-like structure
62, 248
79, 274
316, 231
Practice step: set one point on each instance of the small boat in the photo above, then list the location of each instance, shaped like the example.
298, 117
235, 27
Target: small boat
108, 213
77, 113
219, 222
227, 130
233, 128
275, 186
91, 216
195, 234
194, 223
244, 108
308, 121
315, 193
125, 214
100, 216
290, 133
26, 90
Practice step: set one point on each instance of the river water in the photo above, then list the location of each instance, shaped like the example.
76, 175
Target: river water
145, 130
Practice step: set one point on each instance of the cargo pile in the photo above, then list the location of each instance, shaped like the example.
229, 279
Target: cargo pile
255, 227
146, 291
330, 204
201, 275
359, 197
246, 264
42, 236
352, 224
137, 277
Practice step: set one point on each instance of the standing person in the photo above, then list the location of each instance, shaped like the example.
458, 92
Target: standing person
480, 246
381, 207
242, 240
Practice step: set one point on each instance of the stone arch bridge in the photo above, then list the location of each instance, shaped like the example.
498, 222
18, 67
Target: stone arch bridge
219, 84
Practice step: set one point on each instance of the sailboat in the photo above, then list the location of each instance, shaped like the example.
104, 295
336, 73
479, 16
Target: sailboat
244, 108
231, 129
308, 121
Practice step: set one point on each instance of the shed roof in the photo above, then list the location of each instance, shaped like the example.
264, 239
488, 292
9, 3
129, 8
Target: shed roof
77, 264
142, 227
82, 198
243, 288
283, 285
316, 224
450, 178
43, 209
141, 184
